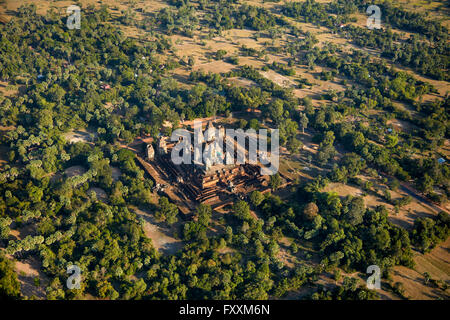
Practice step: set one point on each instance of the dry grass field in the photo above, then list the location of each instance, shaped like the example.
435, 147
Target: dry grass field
436, 263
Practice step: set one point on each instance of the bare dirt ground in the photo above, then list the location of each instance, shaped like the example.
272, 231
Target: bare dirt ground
284, 253
159, 233
401, 125
214, 66
43, 6
116, 173
298, 165
75, 136
215, 227
28, 270
100, 193
7, 90
74, 171
282, 81
242, 82
23, 231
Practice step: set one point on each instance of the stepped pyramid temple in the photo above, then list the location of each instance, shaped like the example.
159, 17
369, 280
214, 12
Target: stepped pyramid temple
215, 180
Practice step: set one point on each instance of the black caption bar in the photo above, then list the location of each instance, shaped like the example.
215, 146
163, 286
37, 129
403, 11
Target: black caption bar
195, 309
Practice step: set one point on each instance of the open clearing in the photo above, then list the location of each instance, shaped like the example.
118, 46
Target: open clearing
74, 171
99, 192
75, 136
116, 173
154, 230
436, 263
28, 272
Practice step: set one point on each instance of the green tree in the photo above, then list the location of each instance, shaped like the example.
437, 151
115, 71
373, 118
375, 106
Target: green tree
310, 211
243, 123
356, 211
167, 211
275, 181
220, 54
203, 213
9, 284
241, 210
304, 122
294, 145
253, 124
256, 197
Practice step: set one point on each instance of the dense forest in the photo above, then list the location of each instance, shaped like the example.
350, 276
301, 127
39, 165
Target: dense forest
62, 75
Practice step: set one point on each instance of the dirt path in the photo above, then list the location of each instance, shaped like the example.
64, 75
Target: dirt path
413, 193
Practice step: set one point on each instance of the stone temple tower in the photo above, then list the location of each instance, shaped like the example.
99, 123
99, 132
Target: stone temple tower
150, 152
210, 132
162, 146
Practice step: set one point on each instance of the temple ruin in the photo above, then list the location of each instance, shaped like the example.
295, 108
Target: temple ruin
213, 182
